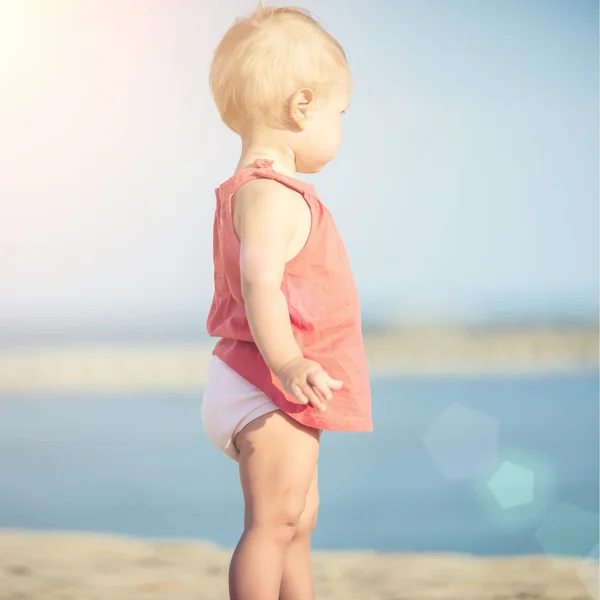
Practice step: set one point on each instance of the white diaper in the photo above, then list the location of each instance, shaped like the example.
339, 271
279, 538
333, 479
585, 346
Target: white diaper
229, 403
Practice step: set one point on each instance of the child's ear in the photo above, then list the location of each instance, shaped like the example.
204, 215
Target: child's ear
299, 105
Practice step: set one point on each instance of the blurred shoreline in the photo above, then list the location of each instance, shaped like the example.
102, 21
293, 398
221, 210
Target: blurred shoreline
46, 566
171, 366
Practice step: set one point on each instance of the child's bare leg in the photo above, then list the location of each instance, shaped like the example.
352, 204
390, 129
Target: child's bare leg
278, 457
297, 583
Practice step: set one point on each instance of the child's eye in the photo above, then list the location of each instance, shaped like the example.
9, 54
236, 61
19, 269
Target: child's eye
343, 112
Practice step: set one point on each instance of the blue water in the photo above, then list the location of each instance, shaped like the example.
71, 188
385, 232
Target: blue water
142, 465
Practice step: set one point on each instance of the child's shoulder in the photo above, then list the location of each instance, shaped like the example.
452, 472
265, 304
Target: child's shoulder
263, 171
266, 192
271, 201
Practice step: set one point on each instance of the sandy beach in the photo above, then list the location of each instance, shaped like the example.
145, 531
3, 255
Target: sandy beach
167, 367
57, 566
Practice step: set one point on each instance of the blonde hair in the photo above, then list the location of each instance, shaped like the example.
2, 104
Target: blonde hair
264, 58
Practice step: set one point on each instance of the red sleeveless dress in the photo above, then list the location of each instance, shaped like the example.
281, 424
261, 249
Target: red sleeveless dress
323, 304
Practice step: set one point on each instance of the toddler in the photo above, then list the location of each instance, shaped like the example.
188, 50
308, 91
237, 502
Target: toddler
290, 362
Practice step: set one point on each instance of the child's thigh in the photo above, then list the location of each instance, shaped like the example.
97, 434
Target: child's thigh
278, 459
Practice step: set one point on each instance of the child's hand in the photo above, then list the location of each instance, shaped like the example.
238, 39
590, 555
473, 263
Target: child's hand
302, 378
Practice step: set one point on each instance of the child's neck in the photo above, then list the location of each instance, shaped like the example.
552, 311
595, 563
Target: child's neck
267, 144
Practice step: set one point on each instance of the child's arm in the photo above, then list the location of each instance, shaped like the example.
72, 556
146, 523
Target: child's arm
265, 217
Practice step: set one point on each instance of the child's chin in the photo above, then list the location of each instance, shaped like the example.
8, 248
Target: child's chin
310, 169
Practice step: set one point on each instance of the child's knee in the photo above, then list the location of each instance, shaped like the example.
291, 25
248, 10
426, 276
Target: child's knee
307, 523
280, 521
308, 518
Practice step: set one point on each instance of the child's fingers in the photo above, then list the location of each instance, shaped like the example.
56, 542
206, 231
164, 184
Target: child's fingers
334, 384
319, 382
309, 392
314, 399
324, 383
306, 395
300, 396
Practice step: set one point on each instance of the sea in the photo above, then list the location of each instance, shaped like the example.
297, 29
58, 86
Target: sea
471, 464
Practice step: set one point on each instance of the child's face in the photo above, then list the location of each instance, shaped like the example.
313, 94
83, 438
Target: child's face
321, 133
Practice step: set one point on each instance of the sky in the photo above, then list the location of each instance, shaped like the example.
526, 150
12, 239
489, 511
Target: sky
466, 188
